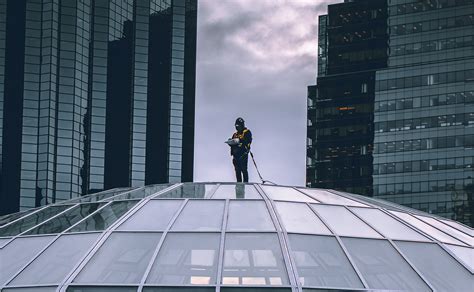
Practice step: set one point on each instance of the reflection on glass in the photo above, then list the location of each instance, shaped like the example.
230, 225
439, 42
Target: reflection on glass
32, 220
249, 216
12, 217
253, 259
443, 237
388, 226
66, 219
105, 217
297, 217
186, 258
178, 289
237, 191
200, 215
123, 258
286, 194
459, 226
99, 196
101, 289
343, 222
447, 229
321, 262
52, 266
382, 266
330, 198
190, 190
36, 289
18, 253
155, 215
439, 268
140, 193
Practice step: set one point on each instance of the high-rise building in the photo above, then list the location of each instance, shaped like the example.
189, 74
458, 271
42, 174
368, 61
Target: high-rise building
94, 94
422, 111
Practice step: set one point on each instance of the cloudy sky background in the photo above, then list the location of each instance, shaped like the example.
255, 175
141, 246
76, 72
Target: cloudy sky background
255, 59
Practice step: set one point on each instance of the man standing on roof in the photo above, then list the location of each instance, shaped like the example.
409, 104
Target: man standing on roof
239, 149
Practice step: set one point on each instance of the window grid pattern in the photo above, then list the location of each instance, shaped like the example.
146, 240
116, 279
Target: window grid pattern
253, 264
424, 114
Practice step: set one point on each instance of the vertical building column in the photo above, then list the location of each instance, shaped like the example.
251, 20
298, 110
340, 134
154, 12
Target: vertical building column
47, 101
29, 195
177, 91
3, 25
139, 98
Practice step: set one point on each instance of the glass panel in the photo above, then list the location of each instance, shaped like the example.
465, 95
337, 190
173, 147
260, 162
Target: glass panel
101, 289
459, 226
179, 289
105, 217
35, 289
443, 237
249, 216
286, 194
343, 222
255, 289
53, 265
382, 266
237, 191
320, 261
66, 220
200, 215
155, 215
253, 259
330, 198
123, 258
466, 254
448, 229
12, 217
32, 220
298, 217
140, 193
388, 226
99, 196
190, 190
3, 241
186, 258
438, 267
18, 253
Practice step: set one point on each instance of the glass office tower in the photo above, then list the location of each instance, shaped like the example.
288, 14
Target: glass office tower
424, 109
419, 116
352, 45
94, 94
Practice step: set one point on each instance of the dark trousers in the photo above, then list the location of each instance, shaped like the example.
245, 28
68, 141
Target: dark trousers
240, 166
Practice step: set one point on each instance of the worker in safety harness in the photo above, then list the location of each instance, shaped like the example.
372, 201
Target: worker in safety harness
239, 149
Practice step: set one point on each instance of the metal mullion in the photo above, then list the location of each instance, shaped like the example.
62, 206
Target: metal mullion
363, 221
353, 199
213, 191
220, 263
87, 217
436, 241
291, 271
453, 226
26, 215
341, 244
413, 215
120, 194
399, 251
159, 245
102, 238
287, 242
159, 193
410, 214
305, 194
47, 220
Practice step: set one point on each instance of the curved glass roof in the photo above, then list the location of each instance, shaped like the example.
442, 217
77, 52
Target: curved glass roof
232, 237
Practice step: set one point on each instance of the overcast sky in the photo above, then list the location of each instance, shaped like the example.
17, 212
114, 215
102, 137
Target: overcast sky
255, 59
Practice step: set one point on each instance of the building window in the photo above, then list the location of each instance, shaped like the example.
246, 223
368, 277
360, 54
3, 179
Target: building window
363, 88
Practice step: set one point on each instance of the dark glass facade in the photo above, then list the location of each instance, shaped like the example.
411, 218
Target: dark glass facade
94, 94
422, 108
352, 44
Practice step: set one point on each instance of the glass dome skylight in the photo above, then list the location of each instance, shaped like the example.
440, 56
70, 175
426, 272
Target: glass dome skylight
232, 237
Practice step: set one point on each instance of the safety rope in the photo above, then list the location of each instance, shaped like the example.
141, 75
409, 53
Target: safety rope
259, 175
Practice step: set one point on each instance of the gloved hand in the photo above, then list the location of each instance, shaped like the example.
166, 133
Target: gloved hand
232, 142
